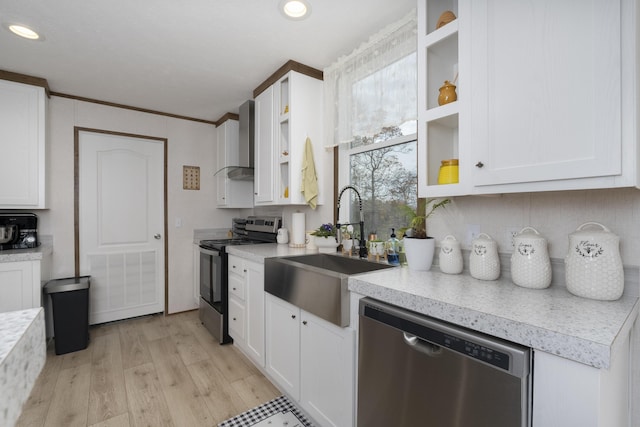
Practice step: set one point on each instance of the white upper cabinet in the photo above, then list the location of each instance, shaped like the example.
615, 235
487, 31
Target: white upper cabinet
547, 97
264, 137
230, 193
287, 113
23, 146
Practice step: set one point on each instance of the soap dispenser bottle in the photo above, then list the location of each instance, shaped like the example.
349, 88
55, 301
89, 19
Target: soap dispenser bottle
393, 249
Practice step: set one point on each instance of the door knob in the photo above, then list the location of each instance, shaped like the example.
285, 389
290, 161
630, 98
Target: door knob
479, 164
157, 236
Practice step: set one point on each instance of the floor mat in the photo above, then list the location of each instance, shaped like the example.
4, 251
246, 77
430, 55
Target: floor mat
275, 413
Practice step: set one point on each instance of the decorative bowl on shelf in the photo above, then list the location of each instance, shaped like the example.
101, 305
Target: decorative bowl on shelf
446, 17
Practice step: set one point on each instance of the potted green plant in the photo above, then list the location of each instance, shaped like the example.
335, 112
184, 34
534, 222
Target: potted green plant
418, 246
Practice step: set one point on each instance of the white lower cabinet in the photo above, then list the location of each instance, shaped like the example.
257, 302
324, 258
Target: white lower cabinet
19, 285
246, 307
568, 393
313, 361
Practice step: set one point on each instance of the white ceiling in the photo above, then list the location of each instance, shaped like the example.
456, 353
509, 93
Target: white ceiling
196, 58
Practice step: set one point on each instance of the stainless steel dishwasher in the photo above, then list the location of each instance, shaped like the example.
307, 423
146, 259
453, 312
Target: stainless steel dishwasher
415, 371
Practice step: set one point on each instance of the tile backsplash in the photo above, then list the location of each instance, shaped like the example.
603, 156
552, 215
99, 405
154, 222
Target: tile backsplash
554, 214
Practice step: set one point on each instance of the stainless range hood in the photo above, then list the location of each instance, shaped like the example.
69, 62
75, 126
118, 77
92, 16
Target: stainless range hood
244, 170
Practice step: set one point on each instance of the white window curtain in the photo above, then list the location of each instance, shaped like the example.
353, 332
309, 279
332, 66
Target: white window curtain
374, 87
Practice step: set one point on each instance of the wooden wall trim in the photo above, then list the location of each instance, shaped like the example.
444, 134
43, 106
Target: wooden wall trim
291, 65
228, 116
23, 78
128, 107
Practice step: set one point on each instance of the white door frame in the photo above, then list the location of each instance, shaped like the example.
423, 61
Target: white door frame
76, 199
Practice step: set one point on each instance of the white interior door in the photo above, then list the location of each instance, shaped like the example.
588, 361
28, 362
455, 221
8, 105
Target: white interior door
121, 223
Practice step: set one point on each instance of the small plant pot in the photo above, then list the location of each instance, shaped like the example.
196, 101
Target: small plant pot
419, 252
326, 245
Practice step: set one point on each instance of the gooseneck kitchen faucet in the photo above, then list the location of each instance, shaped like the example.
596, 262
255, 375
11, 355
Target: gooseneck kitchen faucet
363, 246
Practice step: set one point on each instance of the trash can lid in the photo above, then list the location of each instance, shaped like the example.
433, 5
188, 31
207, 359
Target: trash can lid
67, 284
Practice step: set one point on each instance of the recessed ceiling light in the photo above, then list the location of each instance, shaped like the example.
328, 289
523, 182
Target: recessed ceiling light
22, 31
295, 9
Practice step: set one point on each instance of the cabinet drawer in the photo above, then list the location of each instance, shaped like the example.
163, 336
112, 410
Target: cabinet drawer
236, 286
236, 319
236, 266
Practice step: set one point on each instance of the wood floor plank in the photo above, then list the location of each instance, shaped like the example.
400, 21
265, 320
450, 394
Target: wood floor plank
221, 399
76, 358
255, 390
36, 407
103, 329
107, 395
229, 360
70, 400
147, 403
154, 327
148, 371
187, 405
187, 344
133, 344
233, 364
118, 421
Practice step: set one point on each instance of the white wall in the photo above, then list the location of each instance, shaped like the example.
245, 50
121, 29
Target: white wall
189, 143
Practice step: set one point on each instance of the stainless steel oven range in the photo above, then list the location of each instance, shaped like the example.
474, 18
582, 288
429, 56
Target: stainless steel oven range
213, 270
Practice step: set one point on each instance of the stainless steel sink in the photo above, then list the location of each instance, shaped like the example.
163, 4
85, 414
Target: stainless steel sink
316, 283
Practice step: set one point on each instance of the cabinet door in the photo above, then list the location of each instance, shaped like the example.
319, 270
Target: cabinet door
17, 286
264, 136
22, 144
283, 344
236, 321
546, 91
254, 299
221, 162
327, 371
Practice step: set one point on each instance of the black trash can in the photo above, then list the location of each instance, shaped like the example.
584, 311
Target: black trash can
70, 301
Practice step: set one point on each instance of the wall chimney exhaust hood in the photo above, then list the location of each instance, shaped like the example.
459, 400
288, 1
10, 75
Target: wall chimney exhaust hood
244, 170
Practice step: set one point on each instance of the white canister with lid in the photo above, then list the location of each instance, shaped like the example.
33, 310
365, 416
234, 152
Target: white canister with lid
593, 266
450, 255
484, 263
530, 263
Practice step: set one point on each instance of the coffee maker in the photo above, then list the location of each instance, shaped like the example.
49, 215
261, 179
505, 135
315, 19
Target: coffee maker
18, 231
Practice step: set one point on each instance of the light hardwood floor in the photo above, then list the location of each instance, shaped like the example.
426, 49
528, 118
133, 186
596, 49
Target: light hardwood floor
149, 371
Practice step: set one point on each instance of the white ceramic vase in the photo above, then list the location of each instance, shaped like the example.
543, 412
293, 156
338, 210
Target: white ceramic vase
484, 262
593, 266
530, 264
450, 255
326, 245
419, 252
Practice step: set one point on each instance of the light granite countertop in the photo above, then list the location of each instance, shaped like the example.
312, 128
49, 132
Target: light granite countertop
22, 356
35, 254
551, 320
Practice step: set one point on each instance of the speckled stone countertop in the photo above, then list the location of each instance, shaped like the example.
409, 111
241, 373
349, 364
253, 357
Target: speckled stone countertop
35, 254
259, 252
551, 320
22, 356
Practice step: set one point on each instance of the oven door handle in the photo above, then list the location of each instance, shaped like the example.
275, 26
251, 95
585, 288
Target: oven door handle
209, 252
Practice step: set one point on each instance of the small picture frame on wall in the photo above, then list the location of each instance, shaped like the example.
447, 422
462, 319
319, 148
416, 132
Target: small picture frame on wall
191, 177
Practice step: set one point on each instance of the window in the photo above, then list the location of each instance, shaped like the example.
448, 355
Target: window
372, 109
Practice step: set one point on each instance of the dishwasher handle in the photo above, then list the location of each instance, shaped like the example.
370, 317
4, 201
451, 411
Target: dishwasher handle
431, 350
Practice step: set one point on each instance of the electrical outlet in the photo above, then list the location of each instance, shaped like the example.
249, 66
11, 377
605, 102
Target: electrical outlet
472, 232
510, 233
